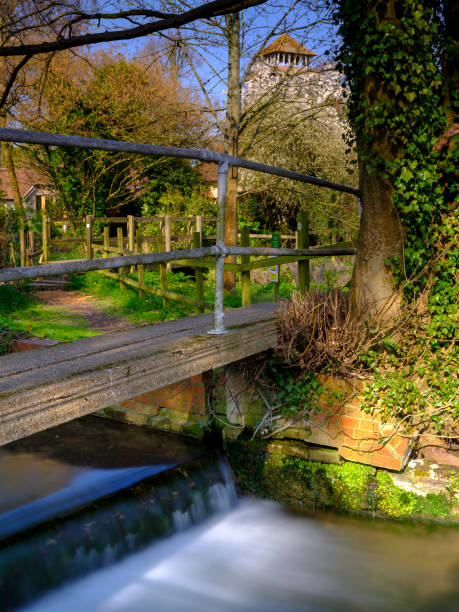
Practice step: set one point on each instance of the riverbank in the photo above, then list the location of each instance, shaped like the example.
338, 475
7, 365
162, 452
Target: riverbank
423, 491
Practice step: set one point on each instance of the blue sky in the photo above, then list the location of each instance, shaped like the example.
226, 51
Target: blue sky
307, 23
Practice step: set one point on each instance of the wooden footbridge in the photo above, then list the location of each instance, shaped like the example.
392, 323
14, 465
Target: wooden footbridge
43, 388
46, 387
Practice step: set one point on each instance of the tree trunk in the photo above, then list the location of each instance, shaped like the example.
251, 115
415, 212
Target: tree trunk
233, 117
372, 290
7, 159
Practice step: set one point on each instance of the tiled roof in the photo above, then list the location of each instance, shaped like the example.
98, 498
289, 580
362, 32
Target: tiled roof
27, 178
286, 44
209, 172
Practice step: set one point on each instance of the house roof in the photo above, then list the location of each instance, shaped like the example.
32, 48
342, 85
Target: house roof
209, 172
286, 44
27, 179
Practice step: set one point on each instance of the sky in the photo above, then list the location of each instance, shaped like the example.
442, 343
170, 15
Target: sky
307, 21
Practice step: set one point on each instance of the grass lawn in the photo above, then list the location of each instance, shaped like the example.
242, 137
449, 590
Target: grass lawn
22, 311
126, 303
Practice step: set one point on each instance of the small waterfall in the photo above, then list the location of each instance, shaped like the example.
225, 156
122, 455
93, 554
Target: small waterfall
101, 531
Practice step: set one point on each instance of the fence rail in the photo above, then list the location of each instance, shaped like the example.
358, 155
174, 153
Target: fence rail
219, 251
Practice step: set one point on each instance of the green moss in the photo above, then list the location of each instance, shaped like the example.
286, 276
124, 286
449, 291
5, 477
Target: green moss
348, 487
352, 486
299, 482
397, 503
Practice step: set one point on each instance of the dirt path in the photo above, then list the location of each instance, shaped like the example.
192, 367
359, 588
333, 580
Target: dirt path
85, 306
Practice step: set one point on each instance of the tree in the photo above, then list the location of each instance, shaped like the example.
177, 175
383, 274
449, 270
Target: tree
57, 26
400, 59
149, 106
240, 35
397, 59
301, 128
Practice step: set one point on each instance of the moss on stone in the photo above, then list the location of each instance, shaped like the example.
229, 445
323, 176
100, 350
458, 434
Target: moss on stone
349, 487
397, 503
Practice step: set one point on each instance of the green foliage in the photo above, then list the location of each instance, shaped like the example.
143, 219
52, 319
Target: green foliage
295, 391
175, 187
394, 56
397, 503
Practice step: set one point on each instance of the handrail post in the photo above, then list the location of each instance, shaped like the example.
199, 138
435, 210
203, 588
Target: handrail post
89, 236
219, 326
44, 239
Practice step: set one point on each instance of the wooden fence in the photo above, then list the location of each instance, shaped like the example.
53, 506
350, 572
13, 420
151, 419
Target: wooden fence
136, 235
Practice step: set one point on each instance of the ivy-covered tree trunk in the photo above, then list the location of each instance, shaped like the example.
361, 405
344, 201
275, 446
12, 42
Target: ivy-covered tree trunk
372, 292
397, 111
400, 60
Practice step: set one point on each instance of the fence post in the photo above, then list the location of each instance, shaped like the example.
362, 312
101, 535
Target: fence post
106, 245
89, 236
167, 237
44, 238
302, 219
162, 267
121, 271
198, 224
22, 243
274, 271
131, 237
31, 247
199, 276
245, 275
140, 268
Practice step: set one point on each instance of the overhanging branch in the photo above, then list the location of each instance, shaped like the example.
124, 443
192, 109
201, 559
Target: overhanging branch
209, 9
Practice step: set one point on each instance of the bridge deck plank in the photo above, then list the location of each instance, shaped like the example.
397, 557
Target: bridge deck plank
42, 388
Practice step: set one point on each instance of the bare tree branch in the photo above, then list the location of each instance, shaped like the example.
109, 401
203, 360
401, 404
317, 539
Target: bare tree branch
209, 9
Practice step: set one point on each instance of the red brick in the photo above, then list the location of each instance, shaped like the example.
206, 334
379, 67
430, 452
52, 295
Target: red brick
347, 422
29, 344
146, 398
196, 379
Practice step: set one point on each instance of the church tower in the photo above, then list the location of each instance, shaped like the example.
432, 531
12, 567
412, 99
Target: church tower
286, 51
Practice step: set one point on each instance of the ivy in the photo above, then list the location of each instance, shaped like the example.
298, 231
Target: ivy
394, 56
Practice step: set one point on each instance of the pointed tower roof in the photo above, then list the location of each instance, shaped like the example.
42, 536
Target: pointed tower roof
286, 44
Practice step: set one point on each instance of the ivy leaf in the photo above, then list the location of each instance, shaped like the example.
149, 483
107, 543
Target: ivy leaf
406, 175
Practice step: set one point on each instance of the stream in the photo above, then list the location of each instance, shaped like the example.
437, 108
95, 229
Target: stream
100, 516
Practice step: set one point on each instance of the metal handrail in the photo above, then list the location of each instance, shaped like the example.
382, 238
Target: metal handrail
219, 251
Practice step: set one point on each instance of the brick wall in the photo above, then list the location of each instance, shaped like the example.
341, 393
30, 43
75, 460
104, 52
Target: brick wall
28, 344
337, 423
179, 408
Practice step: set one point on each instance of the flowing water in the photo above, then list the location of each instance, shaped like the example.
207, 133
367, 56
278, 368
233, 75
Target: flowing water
169, 534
